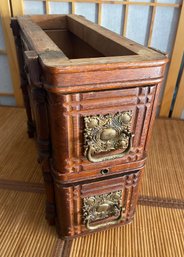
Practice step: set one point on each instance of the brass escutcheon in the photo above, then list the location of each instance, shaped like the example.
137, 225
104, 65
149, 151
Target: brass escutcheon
107, 133
120, 218
101, 207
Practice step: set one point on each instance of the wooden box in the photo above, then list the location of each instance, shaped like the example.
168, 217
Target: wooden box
91, 98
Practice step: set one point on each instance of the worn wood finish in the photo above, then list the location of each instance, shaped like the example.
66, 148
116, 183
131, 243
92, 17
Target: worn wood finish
62, 86
23, 78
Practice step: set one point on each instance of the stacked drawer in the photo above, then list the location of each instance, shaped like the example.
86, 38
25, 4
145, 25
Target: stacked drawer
91, 99
98, 155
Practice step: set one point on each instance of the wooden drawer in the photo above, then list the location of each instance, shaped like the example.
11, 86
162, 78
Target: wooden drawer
90, 98
87, 122
92, 109
96, 205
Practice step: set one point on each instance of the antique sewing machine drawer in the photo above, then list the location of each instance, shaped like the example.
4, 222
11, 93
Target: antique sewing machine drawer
90, 97
97, 131
93, 206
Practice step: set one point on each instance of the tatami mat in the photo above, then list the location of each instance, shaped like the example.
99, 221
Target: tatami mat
18, 158
24, 231
164, 172
155, 232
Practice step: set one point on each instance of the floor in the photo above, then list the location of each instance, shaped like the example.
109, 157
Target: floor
158, 227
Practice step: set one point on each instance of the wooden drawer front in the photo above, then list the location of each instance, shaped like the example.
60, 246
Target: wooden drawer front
98, 205
68, 114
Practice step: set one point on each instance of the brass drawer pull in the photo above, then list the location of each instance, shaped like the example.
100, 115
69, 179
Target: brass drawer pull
99, 208
127, 141
104, 134
120, 218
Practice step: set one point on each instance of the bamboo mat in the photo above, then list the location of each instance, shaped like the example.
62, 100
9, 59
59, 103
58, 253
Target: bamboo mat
24, 231
18, 156
164, 172
155, 232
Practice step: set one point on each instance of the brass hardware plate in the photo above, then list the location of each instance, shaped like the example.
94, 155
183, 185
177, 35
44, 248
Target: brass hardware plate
105, 133
100, 207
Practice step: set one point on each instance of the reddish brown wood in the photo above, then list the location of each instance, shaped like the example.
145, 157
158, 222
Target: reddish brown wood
50, 210
70, 223
76, 69
23, 77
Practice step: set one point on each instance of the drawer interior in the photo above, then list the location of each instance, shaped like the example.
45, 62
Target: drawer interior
71, 45
79, 41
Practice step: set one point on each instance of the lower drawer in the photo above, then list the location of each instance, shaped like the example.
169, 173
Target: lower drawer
96, 205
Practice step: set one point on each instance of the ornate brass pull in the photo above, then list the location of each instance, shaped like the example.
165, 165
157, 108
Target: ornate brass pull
93, 158
120, 218
101, 207
106, 133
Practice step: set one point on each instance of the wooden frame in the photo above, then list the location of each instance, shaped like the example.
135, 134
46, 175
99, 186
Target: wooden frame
179, 103
10, 51
155, 3
174, 67
132, 52
17, 7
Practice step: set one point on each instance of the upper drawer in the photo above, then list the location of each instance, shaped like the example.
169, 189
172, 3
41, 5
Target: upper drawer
93, 131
